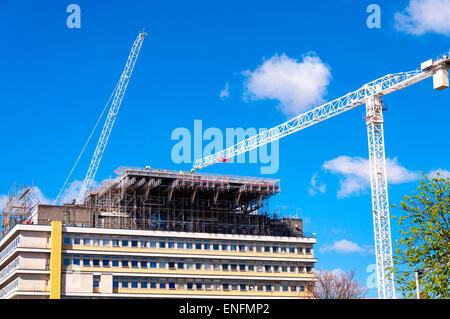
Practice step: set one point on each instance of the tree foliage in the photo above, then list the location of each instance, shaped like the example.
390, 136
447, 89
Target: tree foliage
425, 240
332, 285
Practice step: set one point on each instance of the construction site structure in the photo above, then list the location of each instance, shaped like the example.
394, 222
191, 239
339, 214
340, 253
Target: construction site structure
160, 233
370, 94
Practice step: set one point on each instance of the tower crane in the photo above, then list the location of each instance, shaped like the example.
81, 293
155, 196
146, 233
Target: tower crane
370, 94
118, 94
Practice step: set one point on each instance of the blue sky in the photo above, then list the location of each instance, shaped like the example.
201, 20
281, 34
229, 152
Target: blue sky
56, 81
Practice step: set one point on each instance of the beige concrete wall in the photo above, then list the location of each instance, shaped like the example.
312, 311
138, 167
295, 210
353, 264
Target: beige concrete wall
33, 260
76, 282
32, 239
32, 282
106, 283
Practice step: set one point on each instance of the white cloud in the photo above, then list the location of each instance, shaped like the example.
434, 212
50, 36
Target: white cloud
422, 16
356, 177
343, 246
225, 93
443, 173
3, 199
315, 187
70, 193
298, 86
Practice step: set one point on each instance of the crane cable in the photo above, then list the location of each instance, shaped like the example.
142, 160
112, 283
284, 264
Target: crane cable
87, 142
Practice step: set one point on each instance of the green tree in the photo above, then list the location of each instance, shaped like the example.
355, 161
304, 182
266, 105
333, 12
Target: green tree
425, 239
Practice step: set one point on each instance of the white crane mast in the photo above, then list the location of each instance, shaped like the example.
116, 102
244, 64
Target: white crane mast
110, 119
370, 94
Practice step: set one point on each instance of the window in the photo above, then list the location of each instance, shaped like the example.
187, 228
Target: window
105, 261
216, 285
153, 284
96, 261
162, 285
285, 287
250, 247
259, 267
216, 266
268, 287
115, 242
76, 240
144, 283
301, 288
232, 246
190, 285
96, 241
86, 261
233, 266
188, 244
124, 262
115, 282
143, 243
207, 264
181, 284
241, 247
243, 287
225, 286
276, 287
258, 247
134, 262
215, 246
171, 285
66, 240
293, 287
180, 265
224, 246
124, 242
171, 243
308, 250
152, 243
162, 263
152, 262
86, 241
292, 268
300, 250
96, 282
308, 269
189, 265
266, 248
66, 260
267, 268
251, 267
234, 285
124, 282
134, 283
198, 244
283, 249
206, 245
134, 244
276, 268
260, 287
180, 243
207, 286
198, 265
144, 263
291, 250
251, 286
171, 264
301, 269
224, 266
162, 243
275, 248
115, 261
105, 242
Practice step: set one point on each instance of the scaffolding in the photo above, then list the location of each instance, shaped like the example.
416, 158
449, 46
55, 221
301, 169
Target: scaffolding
20, 207
165, 200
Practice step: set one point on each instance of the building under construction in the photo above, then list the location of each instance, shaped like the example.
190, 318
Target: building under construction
157, 233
